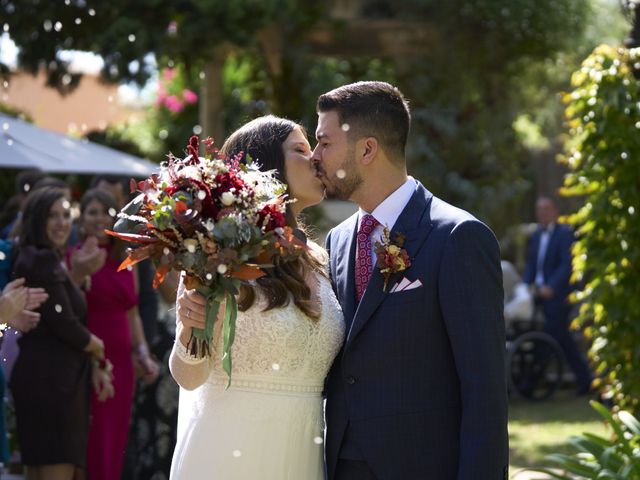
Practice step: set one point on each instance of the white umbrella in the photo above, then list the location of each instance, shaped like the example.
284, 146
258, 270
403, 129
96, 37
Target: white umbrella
23, 145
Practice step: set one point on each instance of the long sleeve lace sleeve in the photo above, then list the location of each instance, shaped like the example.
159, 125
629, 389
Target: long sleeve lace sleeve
188, 371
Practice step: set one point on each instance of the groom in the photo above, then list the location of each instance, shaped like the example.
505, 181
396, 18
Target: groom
418, 391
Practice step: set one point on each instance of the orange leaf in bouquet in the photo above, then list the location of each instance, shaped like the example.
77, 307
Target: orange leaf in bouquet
136, 256
288, 239
161, 273
191, 282
264, 258
132, 237
248, 272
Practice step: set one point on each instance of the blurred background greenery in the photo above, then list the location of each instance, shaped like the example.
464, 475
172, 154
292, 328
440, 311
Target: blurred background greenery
483, 76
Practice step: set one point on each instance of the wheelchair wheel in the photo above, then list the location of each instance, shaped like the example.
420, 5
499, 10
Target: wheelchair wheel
534, 364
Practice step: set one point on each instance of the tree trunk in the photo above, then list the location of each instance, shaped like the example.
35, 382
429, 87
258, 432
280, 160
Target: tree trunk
211, 97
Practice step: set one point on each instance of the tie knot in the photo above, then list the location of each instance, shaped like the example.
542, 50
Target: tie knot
368, 223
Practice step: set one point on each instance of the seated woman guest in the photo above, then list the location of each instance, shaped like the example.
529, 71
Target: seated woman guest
52, 376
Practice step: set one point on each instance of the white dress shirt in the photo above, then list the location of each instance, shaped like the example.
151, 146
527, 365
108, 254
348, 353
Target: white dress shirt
389, 210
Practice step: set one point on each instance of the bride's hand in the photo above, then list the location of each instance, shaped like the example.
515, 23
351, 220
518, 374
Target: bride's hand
190, 308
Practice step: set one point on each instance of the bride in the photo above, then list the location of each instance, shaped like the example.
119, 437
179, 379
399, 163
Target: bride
268, 424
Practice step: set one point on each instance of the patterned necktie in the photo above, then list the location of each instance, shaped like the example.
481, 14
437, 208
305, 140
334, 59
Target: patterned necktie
364, 260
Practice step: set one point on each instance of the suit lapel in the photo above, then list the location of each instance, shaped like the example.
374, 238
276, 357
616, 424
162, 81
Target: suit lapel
345, 264
415, 223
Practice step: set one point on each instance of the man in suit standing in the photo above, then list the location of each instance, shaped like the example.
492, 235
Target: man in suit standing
548, 270
418, 390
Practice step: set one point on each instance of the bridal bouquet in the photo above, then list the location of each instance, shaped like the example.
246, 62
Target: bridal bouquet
219, 219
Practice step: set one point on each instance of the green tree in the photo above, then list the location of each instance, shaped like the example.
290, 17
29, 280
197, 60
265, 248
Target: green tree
603, 155
467, 88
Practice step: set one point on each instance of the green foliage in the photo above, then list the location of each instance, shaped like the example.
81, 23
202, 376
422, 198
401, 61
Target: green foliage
603, 155
468, 95
123, 32
596, 457
491, 61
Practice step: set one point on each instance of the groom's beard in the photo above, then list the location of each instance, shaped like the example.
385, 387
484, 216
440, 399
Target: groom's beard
342, 188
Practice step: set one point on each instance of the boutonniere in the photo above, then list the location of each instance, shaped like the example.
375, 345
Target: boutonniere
391, 257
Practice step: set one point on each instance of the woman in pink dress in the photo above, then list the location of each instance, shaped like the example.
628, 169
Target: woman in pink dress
113, 316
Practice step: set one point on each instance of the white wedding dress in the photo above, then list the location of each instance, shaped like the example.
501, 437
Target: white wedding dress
268, 425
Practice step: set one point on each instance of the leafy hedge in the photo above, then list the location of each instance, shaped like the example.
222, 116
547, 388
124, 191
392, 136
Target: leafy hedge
603, 155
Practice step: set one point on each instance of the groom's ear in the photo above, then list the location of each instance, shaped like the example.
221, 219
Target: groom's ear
369, 150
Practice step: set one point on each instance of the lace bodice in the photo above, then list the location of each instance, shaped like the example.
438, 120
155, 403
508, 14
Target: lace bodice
277, 350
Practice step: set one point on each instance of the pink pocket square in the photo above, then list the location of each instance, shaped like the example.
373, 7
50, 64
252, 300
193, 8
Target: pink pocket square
405, 284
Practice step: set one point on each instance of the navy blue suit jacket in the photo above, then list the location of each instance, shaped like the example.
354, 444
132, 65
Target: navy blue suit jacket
556, 269
421, 377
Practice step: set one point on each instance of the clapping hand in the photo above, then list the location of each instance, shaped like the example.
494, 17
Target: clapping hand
24, 321
88, 259
13, 299
17, 303
36, 297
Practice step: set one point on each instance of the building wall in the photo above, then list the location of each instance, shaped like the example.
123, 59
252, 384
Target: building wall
91, 106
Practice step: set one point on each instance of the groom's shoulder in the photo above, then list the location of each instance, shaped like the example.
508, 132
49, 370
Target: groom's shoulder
444, 213
446, 218
345, 226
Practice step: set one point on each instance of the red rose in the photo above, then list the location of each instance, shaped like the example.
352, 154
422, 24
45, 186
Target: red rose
225, 182
270, 217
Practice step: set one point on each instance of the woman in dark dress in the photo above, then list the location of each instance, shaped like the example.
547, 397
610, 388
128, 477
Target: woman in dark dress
52, 377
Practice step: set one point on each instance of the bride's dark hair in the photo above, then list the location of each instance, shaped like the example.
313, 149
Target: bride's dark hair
262, 139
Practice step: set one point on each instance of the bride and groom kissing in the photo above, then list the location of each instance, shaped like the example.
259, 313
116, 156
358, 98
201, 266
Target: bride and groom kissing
397, 323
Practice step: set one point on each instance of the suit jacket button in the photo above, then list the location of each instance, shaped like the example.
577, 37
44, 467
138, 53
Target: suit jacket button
351, 380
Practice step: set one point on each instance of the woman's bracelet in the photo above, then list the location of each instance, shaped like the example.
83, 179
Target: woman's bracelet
141, 350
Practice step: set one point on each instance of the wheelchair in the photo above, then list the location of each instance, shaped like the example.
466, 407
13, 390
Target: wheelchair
535, 362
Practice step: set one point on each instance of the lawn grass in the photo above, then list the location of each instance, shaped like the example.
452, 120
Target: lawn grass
537, 429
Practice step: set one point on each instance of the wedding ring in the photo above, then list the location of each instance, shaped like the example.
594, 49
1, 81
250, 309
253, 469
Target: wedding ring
188, 313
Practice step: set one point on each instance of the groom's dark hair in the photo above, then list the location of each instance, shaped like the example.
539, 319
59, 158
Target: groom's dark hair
371, 109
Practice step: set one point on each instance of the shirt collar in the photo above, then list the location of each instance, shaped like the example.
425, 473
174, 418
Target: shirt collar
549, 228
389, 210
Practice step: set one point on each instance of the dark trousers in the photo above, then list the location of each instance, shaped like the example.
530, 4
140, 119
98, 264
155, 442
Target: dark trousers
558, 328
353, 470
